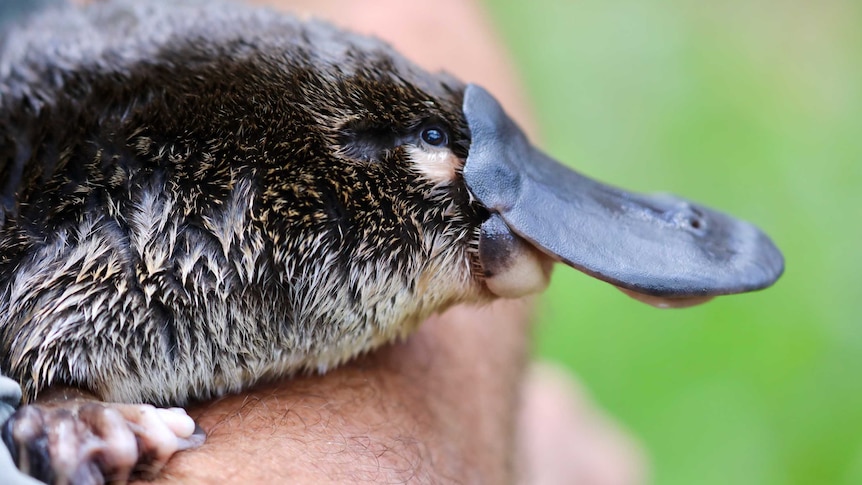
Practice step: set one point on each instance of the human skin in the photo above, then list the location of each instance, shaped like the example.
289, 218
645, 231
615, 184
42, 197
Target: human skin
437, 408
446, 405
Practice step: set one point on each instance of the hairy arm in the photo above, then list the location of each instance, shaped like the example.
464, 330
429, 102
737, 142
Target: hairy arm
437, 408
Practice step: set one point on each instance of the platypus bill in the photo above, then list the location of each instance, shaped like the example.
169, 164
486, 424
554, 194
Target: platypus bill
199, 196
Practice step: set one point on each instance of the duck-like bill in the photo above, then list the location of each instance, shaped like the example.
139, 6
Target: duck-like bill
656, 245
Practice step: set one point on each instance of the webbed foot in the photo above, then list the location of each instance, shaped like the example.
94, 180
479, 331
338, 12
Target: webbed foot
82, 441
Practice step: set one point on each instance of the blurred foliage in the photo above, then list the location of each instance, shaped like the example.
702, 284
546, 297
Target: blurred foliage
753, 107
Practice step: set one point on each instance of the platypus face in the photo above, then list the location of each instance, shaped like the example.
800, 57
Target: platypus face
660, 249
519, 210
450, 165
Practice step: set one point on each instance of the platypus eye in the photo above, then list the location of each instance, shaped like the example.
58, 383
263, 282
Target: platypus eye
435, 136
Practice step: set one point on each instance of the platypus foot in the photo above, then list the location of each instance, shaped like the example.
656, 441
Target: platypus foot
86, 441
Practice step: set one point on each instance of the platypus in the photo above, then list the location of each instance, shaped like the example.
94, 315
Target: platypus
198, 196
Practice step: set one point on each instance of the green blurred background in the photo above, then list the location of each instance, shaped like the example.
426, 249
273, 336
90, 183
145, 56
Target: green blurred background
754, 107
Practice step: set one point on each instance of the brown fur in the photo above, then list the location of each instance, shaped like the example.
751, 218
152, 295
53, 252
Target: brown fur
197, 198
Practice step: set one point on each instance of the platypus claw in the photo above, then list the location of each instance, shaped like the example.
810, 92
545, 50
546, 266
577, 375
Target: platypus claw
89, 442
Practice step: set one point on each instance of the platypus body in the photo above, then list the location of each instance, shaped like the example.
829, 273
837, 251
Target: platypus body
254, 200
198, 196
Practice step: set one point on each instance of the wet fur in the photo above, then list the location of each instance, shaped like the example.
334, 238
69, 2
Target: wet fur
196, 198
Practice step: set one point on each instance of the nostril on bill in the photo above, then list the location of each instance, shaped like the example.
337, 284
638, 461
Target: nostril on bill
688, 217
697, 219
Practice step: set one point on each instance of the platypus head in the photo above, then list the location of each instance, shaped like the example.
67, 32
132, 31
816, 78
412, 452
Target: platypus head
431, 173
516, 210
458, 185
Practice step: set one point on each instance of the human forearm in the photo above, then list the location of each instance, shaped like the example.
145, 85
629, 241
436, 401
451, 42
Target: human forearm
437, 408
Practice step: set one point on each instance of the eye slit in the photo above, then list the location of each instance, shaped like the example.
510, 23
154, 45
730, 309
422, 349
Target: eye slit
434, 136
365, 140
